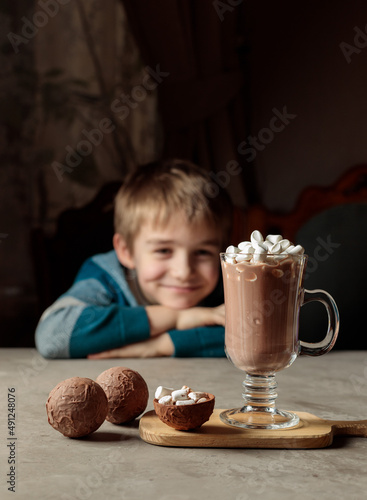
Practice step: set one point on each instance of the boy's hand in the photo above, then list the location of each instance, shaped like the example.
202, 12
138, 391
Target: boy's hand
160, 345
200, 316
162, 318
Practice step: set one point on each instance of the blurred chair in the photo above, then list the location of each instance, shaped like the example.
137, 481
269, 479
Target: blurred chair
331, 224
80, 233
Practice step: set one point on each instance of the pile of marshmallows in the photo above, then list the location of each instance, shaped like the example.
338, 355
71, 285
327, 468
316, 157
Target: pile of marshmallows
274, 247
183, 396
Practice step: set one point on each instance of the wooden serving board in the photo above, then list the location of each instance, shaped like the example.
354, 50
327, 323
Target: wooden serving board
311, 432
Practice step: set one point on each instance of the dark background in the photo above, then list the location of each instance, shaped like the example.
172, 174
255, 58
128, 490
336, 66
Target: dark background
230, 65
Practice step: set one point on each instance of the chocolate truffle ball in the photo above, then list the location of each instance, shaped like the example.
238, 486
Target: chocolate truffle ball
77, 407
127, 393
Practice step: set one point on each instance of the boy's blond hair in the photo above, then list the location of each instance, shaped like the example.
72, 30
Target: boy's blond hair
159, 190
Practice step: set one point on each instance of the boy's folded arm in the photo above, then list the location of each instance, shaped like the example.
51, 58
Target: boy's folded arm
162, 319
195, 342
158, 346
92, 316
201, 342
78, 330
200, 316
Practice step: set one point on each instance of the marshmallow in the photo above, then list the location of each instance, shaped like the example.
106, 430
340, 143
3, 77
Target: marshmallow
179, 397
185, 402
196, 395
180, 394
270, 250
256, 237
260, 253
245, 247
295, 250
165, 400
274, 238
275, 249
232, 249
268, 244
242, 256
162, 391
246, 251
258, 246
284, 244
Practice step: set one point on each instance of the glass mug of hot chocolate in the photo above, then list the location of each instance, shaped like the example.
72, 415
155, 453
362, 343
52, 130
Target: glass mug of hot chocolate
263, 294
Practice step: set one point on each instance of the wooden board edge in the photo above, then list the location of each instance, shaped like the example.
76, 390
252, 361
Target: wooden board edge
187, 439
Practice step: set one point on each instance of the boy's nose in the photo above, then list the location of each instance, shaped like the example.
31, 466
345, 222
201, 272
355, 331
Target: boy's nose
182, 267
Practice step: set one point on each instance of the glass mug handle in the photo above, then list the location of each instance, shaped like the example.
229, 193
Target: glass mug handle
319, 348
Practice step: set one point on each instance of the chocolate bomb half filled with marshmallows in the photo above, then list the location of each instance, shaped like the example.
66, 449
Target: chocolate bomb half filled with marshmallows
183, 409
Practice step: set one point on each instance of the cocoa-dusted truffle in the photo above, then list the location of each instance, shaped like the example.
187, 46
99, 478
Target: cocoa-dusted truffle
185, 417
77, 407
127, 393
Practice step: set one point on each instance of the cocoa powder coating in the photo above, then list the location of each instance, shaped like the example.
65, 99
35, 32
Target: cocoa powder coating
185, 417
126, 391
76, 407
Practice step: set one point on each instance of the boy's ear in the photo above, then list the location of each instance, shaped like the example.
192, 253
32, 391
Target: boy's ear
123, 253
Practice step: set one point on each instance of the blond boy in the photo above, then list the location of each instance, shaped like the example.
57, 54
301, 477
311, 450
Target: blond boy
158, 293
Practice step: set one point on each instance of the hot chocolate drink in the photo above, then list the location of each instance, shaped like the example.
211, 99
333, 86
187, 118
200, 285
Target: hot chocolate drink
262, 305
263, 294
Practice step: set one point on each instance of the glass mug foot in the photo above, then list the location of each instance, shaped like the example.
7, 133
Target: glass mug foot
247, 418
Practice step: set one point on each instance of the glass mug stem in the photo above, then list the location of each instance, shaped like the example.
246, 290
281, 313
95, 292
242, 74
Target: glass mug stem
259, 411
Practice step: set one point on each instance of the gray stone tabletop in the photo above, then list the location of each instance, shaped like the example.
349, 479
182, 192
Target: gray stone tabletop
115, 463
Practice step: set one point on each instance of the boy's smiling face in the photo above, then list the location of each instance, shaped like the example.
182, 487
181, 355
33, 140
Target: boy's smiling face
177, 264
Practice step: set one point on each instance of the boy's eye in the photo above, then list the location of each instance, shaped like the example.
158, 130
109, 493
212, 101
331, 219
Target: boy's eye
204, 253
162, 251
